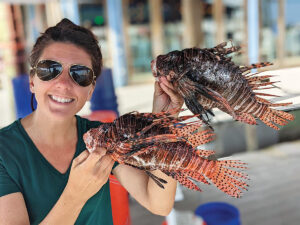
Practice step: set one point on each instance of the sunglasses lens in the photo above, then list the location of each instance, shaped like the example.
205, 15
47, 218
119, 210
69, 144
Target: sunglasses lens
82, 75
48, 69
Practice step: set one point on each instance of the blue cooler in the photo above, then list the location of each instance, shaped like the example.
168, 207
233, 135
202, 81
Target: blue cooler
219, 213
22, 95
104, 97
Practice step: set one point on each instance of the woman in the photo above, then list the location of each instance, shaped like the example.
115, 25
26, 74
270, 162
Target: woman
46, 174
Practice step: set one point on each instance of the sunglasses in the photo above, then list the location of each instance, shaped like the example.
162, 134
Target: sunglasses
49, 69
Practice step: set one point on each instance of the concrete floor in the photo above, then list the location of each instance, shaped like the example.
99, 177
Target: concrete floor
273, 197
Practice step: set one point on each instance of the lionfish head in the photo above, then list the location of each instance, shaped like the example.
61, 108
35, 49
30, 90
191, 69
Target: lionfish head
95, 137
169, 64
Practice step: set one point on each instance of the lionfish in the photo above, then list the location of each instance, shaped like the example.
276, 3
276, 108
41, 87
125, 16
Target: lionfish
207, 78
150, 141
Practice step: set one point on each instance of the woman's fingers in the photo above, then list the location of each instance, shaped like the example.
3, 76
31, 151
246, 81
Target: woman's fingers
96, 155
166, 82
104, 164
81, 158
174, 96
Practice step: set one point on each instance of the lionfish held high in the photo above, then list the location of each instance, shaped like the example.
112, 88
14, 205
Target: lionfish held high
207, 78
150, 141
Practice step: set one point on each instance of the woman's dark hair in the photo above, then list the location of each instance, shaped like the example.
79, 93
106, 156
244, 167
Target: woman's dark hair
68, 32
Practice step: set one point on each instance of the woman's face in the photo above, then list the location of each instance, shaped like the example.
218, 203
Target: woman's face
61, 97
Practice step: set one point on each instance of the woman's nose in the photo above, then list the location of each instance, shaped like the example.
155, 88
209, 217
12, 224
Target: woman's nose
64, 79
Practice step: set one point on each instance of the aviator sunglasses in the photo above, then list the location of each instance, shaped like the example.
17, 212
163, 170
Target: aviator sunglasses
48, 70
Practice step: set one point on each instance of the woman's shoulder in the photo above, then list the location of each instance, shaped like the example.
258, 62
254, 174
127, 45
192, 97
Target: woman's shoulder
9, 130
11, 138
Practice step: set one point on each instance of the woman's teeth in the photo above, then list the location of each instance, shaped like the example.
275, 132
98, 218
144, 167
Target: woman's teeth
60, 99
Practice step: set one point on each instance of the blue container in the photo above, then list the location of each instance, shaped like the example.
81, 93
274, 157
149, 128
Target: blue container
219, 213
22, 96
104, 97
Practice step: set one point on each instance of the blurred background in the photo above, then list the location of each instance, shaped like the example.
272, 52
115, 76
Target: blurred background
133, 32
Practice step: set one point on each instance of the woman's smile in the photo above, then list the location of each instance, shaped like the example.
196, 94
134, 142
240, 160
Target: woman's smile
60, 100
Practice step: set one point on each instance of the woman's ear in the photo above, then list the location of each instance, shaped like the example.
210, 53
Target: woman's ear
31, 84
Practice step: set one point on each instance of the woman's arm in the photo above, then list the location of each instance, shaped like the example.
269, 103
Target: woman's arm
142, 188
139, 185
13, 210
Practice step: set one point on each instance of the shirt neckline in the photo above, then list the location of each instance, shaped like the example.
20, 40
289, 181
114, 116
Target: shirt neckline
39, 154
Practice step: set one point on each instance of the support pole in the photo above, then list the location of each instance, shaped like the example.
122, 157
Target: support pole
192, 11
253, 30
70, 10
156, 24
281, 32
116, 31
218, 14
53, 12
253, 54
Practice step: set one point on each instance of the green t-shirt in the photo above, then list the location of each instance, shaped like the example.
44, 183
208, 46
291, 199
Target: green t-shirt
24, 169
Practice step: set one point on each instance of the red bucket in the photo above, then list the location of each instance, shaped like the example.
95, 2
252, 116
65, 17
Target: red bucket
119, 202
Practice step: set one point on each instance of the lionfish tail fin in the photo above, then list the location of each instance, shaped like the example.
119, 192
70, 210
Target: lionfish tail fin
273, 118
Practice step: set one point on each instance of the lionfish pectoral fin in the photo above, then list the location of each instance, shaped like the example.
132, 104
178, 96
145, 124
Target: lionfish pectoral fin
200, 138
220, 99
145, 129
156, 179
272, 117
205, 153
210, 112
246, 118
204, 91
143, 145
197, 108
139, 151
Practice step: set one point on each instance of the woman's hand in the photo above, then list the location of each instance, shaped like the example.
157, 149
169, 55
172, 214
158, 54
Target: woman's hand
165, 96
89, 172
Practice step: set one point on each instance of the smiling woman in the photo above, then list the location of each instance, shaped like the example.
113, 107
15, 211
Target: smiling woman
46, 174
58, 86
